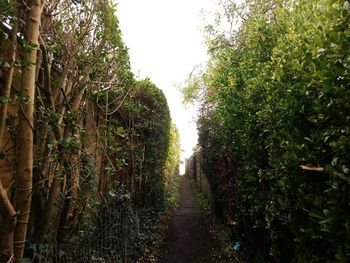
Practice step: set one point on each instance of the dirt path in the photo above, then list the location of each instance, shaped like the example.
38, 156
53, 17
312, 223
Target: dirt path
188, 239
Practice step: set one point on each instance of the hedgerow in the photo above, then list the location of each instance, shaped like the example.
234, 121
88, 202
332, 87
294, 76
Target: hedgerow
274, 128
88, 154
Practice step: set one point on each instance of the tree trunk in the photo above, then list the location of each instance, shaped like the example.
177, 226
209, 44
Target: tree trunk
24, 176
7, 230
8, 80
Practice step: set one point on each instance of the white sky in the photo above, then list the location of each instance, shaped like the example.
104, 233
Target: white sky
165, 43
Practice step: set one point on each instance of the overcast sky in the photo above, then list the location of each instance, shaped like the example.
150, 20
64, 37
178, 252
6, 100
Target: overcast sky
165, 43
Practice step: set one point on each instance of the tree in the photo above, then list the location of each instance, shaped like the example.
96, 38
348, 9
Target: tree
24, 184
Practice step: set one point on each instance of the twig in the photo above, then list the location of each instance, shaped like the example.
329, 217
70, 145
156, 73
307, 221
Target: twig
312, 168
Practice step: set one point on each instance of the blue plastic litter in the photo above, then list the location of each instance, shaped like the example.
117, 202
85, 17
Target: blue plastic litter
237, 246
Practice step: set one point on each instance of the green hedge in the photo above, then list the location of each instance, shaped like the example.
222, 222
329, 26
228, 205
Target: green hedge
277, 105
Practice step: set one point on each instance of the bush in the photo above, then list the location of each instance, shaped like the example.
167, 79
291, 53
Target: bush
274, 129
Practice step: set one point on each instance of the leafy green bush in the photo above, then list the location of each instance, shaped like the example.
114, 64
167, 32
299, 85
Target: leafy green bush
274, 129
149, 114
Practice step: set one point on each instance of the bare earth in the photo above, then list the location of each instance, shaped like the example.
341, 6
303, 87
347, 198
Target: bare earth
188, 239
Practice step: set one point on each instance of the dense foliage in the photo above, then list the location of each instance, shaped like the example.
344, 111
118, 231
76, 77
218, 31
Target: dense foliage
89, 155
274, 127
146, 148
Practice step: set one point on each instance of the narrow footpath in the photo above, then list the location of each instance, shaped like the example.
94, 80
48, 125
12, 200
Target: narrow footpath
188, 239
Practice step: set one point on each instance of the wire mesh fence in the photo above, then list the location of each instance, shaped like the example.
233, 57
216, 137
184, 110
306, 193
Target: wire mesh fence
115, 233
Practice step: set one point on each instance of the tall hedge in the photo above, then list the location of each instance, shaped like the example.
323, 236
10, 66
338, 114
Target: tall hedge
98, 143
275, 128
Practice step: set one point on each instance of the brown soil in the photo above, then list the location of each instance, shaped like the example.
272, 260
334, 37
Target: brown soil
188, 239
